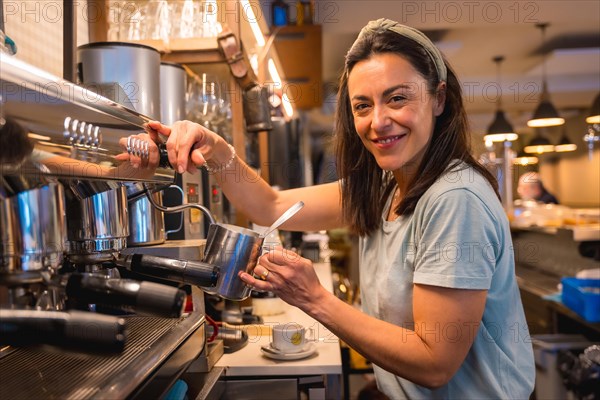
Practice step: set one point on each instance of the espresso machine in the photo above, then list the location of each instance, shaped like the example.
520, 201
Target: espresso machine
66, 301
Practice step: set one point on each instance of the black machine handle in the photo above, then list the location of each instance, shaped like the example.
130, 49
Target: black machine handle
164, 156
183, 271
146, 298
20, 327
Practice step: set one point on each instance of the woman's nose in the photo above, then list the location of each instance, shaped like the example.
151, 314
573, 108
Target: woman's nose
381, 120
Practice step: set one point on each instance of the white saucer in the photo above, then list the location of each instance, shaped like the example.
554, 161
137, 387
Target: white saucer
271, 352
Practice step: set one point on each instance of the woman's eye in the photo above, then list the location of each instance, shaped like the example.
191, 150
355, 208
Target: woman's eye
360, 107
397, 98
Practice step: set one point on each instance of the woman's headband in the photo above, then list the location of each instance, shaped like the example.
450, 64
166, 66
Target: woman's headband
413, 34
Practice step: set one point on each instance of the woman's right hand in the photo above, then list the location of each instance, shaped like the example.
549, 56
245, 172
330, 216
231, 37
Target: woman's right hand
189, 145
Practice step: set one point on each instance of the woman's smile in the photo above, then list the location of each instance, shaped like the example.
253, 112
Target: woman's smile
388, 142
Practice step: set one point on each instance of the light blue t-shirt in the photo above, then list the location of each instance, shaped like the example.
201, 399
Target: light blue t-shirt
458, 237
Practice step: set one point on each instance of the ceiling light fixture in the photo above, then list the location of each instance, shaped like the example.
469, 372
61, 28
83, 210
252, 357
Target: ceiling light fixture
545, 114
500, 129
524, 159
565, 144
594, 113
539, 145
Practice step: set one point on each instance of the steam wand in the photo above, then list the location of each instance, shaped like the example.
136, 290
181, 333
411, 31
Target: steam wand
175, 209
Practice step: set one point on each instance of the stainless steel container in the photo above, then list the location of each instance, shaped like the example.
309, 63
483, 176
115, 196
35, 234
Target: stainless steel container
134, 67
232, 249
146, 223
97, 226
172, 92
33, 230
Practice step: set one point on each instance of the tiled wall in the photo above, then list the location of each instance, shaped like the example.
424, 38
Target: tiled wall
37, 26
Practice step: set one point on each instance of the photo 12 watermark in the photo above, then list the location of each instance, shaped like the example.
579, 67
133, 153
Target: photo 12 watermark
470, 12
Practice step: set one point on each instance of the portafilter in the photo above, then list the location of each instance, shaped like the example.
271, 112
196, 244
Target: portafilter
97, 223
97, 230
32, 223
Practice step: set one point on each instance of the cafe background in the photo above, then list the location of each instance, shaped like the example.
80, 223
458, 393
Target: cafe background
469, 34
308, 57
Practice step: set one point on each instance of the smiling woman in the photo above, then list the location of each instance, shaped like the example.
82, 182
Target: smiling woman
440, 263
442, 315
423, 78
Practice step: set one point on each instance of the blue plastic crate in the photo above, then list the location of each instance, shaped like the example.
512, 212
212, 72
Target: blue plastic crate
583, 297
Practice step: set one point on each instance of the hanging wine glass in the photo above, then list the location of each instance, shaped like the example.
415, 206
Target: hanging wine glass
225, 114
131, 22
210, 24
157, 21
193, 102
210, 100
205, 102
184, 17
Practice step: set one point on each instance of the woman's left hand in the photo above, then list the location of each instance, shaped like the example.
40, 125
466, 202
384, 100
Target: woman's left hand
291, 277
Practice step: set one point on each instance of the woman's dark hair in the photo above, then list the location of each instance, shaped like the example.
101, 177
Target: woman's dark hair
365, 186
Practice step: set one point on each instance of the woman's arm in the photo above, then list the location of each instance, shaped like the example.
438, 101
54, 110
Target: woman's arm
446, 324
429, 354
191, 145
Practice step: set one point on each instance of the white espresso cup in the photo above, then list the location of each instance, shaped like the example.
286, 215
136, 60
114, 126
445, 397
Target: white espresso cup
289, 338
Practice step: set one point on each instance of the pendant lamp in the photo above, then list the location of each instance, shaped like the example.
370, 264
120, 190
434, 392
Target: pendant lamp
500, 129
524, 159
539, 145
545, 114
565, 144
594, 113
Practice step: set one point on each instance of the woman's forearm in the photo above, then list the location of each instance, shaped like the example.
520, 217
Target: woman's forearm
251, 195
430, 351
398, 350
244, 187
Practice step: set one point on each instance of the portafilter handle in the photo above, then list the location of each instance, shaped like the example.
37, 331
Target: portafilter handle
163, 156
145, 298
183, 271
22, 327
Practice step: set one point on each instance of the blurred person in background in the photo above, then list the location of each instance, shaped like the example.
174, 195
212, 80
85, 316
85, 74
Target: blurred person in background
531, 188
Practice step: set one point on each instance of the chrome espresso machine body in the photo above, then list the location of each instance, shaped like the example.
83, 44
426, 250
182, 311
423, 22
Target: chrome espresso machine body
64, 223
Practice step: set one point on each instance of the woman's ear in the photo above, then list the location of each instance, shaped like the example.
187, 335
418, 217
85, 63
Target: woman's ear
440, 99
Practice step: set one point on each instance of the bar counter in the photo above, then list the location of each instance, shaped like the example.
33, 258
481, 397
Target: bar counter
543, 256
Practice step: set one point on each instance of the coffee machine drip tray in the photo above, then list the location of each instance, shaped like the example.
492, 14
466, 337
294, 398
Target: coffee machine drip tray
54, 373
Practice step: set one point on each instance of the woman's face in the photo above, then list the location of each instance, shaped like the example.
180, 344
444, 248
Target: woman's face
393, 113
